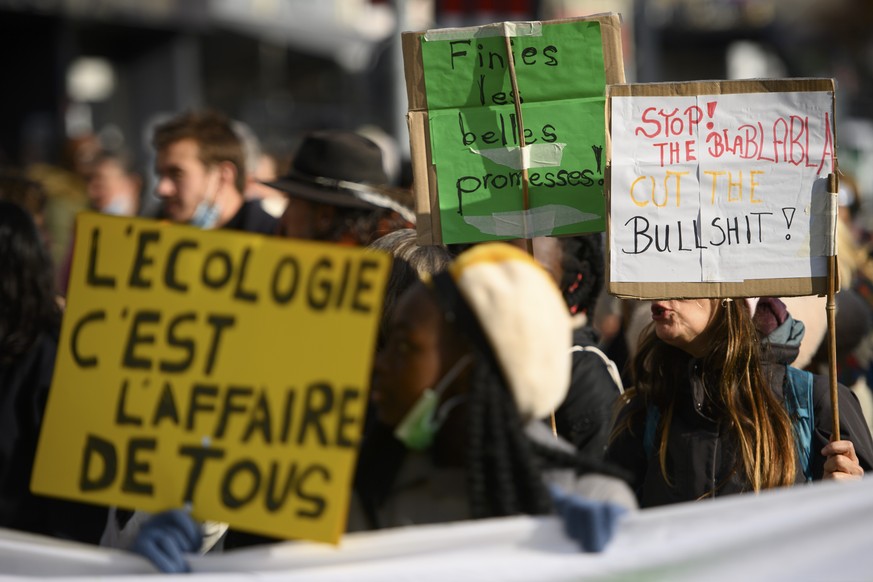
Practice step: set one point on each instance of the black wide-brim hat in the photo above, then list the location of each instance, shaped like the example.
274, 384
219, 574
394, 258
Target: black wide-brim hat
340, 168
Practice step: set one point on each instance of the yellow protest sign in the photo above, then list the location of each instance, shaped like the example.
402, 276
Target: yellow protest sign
228, 371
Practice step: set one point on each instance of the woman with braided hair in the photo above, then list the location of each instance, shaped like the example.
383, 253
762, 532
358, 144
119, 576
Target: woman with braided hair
472, 361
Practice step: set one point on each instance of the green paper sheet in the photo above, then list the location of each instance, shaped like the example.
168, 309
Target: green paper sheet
474, 129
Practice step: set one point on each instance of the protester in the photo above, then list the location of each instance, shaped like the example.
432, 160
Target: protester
381, 453
809, 310
112, 184
29, 330
576, 264
337, 192
201, 168
412, 262
64, 185
425, 259
15, 187
113, 187
854, 302
267, 170
261, 166
201, 174
472, 362
708, 414
585, 416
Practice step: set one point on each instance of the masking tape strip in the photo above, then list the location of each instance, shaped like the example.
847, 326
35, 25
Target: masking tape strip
510, 29
823, 224
832, 214
540, 221
537, 155
525, 223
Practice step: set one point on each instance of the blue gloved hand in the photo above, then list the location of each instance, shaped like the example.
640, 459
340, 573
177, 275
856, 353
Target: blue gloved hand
166, 537
590, 523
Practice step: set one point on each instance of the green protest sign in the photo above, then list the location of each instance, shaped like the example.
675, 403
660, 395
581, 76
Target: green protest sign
468, 158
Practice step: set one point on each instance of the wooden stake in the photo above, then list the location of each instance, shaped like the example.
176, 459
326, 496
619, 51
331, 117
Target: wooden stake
525, 181
831, 313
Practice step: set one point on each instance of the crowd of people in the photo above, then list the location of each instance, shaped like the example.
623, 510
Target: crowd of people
493, 391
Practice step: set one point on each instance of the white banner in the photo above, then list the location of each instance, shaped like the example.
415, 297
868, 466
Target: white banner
817, 532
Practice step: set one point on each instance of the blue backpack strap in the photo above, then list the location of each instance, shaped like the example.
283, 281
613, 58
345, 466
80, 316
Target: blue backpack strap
653, 416
798, 403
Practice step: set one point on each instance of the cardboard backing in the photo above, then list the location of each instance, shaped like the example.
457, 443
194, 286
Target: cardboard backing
423, 169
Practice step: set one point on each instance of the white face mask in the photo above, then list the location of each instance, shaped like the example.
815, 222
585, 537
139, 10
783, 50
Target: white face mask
420, 425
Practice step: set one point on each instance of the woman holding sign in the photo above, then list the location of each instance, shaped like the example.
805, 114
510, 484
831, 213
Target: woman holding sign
716, 410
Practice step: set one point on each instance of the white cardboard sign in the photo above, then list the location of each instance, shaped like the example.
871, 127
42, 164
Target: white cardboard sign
720, 188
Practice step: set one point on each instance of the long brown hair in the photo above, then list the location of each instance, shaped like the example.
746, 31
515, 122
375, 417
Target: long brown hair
738, 390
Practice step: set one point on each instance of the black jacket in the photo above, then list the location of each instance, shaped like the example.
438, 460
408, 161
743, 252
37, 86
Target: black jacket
585, 417
24, 386
251, 217
701, 459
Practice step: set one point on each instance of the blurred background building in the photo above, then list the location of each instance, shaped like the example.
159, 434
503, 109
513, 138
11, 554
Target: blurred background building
76, 69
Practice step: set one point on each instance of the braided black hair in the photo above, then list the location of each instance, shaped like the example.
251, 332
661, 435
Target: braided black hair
505, 467
583, 267
503, 475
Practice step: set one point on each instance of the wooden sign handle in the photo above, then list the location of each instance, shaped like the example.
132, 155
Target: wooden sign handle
833, 186
525, 182
516, 97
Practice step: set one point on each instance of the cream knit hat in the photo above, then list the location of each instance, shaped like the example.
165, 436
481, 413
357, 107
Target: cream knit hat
525, 320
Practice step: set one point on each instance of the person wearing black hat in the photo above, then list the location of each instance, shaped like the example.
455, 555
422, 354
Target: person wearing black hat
337, 191
201, 173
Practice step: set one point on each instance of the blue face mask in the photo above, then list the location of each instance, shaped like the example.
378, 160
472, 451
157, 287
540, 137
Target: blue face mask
420, 425
206, 215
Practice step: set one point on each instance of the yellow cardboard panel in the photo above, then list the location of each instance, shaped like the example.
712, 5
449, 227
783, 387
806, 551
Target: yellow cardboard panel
228, 371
